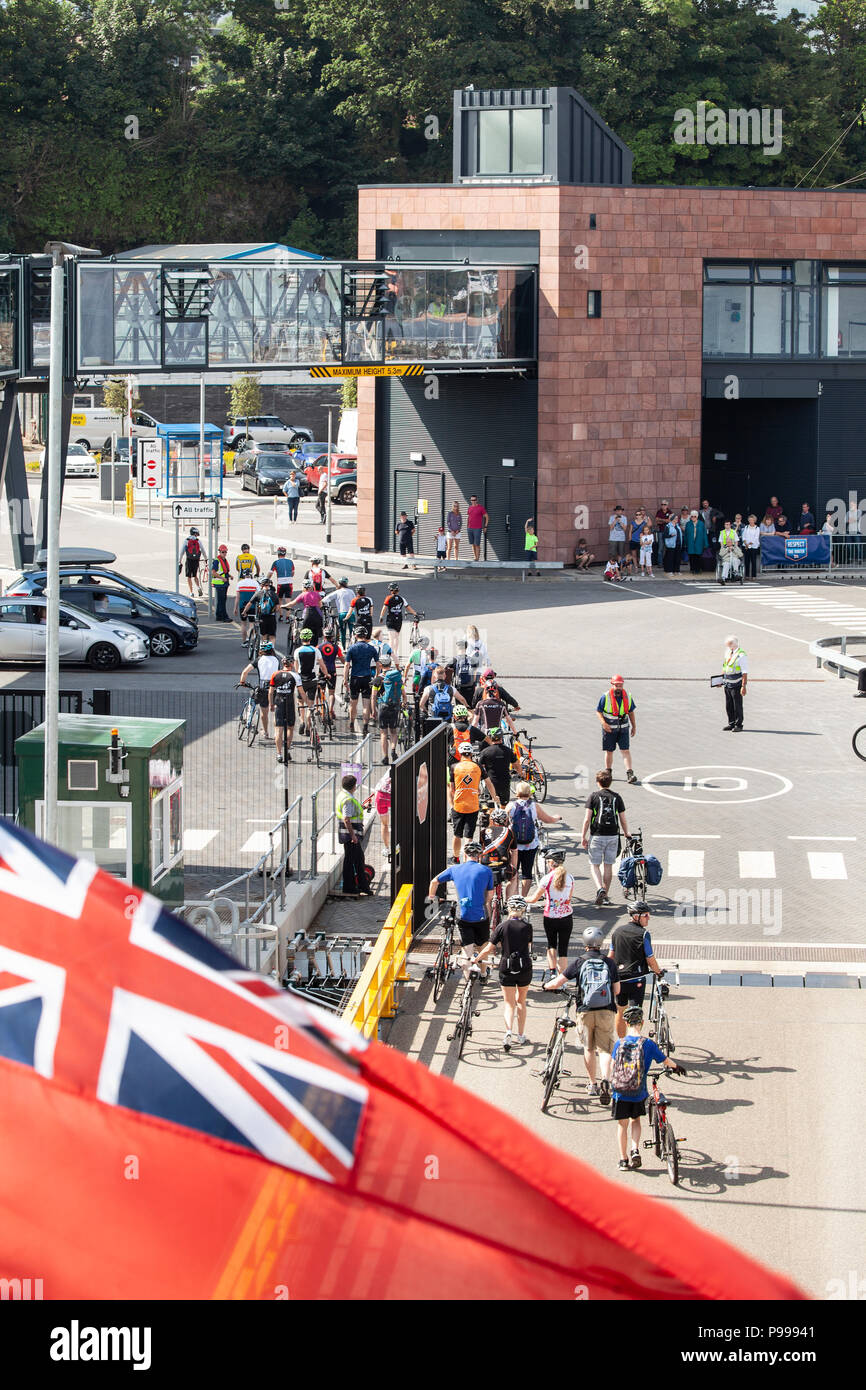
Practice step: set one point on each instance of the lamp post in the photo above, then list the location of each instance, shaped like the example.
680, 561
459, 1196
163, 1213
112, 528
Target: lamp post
331, 410
59, 251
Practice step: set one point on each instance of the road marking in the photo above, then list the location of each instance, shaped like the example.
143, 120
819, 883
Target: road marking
688, 795
686, 837
824, 864
850, 838
197, 839
685, 863
724, 616
757, 863
257, 843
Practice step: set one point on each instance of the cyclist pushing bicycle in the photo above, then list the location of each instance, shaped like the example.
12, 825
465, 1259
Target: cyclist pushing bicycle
632, 1057
311, 666
265, 666
596, 989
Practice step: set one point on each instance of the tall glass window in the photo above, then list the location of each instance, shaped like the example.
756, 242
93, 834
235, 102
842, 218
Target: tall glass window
493, 142
527, 132
843, 302
727, 315
771, 311
9, 319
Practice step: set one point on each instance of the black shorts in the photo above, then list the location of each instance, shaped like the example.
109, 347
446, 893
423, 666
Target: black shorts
360, 687
284, 714
192, 564
331, 680
526, 861
631, 993
394, 624
474, 933
508, 979
268, 625
558, 933
464, 823
406, 547
310, 687
628, 1109
263, 696
388, 716
284, 590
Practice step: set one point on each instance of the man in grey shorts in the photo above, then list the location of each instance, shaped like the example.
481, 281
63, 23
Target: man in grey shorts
604, 818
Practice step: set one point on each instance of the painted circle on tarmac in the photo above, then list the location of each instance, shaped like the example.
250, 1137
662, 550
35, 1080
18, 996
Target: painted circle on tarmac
717, 784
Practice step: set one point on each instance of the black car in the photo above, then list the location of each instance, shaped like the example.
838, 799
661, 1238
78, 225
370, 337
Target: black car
166, 632
266, 473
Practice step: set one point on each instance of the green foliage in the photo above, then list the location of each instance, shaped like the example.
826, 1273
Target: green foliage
245, 397
114, 396
258, 123
349, 393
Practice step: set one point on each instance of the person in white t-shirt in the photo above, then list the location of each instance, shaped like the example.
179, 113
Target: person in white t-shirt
557, 886
340, 599
245, 591
265, 666
751, 541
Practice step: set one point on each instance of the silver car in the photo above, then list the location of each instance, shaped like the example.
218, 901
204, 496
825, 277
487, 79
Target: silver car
103, 645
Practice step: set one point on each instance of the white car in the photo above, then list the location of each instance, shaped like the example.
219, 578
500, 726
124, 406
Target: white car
79, 460
103, 645
266, 429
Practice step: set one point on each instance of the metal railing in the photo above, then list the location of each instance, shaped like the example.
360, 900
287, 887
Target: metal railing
832, 653
269, 873
848, 552
361, 757
375, 995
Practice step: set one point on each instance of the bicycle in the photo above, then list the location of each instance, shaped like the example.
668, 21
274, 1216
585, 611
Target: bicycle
659, 1022
500, 876
552, 1068
634, 849
414, 634
664, 1141
463, 1026
858, 742
443, 966
323, 709
312, 722
405, 728
248, 719
528, 769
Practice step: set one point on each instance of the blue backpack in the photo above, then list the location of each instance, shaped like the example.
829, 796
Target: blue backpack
392, 688
442, 703
627, 871
267, 603
463, 672
523, 823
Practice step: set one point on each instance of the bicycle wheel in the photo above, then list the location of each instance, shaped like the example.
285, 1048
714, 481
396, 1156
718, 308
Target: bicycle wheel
858, 742
316, 743
640, 880
552, 1068
671, 1154
663, 1032
655, 1126
253, 725
439, 972
537, 779
242, 722
464, 1026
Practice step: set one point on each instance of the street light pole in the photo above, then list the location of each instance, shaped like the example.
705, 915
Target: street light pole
201, 439
53, 462
328, 470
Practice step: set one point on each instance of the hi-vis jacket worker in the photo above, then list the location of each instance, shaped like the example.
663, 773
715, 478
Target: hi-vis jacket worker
735, 669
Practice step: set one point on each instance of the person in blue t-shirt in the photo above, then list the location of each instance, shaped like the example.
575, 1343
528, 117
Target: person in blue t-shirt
473, 885
282, 573
361, 659
629, 1107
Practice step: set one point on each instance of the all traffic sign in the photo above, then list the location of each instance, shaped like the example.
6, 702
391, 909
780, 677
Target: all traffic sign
195, 511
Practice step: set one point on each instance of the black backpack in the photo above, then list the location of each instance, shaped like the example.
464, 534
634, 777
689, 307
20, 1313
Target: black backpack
606, 820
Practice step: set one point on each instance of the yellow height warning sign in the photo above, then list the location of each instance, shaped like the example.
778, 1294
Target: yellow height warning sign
368, 369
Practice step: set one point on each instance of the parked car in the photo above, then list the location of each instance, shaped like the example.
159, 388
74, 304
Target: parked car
311, 449
84, 564
265, 473
79, 460
344, 488
266, 429
251, 447
167, 633
340, 463
103, 645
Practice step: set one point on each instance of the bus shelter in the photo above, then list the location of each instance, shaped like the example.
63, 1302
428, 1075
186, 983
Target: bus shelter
180, 451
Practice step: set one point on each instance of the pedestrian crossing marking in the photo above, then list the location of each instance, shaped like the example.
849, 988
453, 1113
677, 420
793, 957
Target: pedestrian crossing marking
257, 843
194, 840
686, 863
757, 863
827, 864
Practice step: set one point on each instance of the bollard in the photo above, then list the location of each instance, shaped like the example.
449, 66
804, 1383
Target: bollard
160, 511
130, 499
252, 547
228, 519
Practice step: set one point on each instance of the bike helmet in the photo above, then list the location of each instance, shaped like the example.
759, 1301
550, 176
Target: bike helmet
556, 856
267, 647
281, 550
424, 643
193, 530
499, 817
465, 748
361, 590
495, 734
517, 905
316, 561
633, 1014
385, 659
593, 938
488, 673
638, 909
344, 580
392, 588
306, 634
460, 712
474, 847
363, 632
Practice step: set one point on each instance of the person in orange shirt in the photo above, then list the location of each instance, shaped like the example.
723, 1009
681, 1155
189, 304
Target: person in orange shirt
465, 784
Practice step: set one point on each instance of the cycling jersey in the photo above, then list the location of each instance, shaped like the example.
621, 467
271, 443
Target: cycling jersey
361, 658
284, 684
394, 603
467, 779
499, 845
362, 607
246, 562
329, 653
307, 659
267, 666
311, 598
557, 901
283, 568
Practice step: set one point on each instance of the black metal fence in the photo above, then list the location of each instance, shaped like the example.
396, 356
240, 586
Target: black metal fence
419, 816
21, 711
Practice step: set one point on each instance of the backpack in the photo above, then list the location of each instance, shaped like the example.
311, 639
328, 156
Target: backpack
193, 549
523, 823
606, 819
517, 961
628, 1074
463, 671
423, 672
653, 871
267, 603
442, 703
670, 535
392, 688
626, 872
594, 977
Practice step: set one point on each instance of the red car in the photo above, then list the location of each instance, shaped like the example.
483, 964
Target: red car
340, 463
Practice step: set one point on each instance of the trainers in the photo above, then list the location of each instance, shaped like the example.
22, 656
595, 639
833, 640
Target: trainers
623, 1165
599, 897
630, 776
592, 1088
521, 1040
635, 1159
726, 728
604, 1093
506, 1042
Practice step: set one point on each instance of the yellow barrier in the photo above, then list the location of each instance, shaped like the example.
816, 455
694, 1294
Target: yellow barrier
130, 499
375, 995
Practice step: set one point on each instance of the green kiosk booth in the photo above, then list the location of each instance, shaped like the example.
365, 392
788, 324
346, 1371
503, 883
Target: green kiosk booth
120, 796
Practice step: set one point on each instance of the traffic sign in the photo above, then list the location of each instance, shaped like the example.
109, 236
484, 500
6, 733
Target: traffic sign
151, 462
195, 511
368, 369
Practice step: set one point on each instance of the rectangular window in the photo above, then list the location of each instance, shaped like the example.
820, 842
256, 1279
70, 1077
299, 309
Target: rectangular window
843, 305
738, 273
82, 774
771, 321
527, 140
593, 304
493, 142
166, 829
98, 831
727, 315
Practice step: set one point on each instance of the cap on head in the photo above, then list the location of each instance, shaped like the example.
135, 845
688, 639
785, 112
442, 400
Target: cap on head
593, 938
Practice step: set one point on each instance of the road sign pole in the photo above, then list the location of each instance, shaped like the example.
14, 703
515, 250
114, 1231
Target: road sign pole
176, 552
328, 471
201, 438
52, 581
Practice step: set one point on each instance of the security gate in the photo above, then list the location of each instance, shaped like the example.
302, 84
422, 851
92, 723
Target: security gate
419, 816
21, 711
